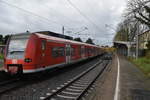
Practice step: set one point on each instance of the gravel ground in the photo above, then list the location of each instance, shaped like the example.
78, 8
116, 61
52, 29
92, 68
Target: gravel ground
3, 75
90, 76
105, 85
36, 90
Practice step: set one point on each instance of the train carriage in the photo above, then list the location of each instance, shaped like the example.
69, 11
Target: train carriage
34, 52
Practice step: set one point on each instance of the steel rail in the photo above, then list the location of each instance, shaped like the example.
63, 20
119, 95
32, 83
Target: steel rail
10, 85
79, 97
59, 90
7, 82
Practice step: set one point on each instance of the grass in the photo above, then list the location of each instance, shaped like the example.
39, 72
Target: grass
1, 58
143, 64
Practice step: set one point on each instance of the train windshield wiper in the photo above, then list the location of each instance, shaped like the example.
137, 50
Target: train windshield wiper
16, 51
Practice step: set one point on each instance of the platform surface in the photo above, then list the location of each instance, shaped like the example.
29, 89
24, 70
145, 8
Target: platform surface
133, 84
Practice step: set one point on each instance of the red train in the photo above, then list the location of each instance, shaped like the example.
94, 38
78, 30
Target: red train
34, 52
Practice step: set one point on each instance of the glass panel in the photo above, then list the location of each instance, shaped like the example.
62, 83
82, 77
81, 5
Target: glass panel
55, 52
17, 48
67, 51
61, 49
43, 45
72, 51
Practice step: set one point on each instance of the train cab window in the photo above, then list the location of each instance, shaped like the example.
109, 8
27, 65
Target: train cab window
61, 51
17, 46
55, 52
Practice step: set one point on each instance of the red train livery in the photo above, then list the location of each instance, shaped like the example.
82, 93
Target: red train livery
34, 52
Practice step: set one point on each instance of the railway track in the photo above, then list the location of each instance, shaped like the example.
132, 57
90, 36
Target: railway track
15, 83
75, 88
9, 85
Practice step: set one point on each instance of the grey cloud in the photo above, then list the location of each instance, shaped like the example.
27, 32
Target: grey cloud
60, 13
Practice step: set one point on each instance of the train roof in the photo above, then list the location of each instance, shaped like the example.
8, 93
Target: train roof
44, 34
62, 40
49, 33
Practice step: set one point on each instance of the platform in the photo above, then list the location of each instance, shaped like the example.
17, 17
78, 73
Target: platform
132, 83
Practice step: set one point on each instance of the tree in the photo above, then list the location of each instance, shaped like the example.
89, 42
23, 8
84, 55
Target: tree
78, 39
139, 10
89, 41
127, 30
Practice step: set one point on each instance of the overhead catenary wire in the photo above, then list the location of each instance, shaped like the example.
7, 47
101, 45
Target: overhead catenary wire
33, 14
68, 18
82, 14
52, 9
47, 20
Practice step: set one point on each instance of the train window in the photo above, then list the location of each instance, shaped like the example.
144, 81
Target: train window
55, 52
72, 51
61, 51
82, 50
67, 51
86, 50
92, 50
43, 45
89, 50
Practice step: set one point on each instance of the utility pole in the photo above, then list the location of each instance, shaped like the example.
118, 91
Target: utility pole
129, 45
63, 30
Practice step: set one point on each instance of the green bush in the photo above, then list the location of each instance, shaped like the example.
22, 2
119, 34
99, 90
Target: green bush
1, 56
147, 54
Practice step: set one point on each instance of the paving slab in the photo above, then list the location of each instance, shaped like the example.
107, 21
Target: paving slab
133, 84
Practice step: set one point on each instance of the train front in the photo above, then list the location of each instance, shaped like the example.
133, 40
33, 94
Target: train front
14, 53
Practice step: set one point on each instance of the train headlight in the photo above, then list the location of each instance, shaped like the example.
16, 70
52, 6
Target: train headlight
27, 60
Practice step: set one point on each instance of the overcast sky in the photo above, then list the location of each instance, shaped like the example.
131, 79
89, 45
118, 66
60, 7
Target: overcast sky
42, 15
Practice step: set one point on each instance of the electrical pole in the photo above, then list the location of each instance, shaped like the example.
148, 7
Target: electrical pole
63, 30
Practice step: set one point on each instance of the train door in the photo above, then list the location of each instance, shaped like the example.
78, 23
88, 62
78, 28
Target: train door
82, 51
68, 53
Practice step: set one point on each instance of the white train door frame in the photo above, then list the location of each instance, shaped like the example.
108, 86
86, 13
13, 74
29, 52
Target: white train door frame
83, 52
68, 53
